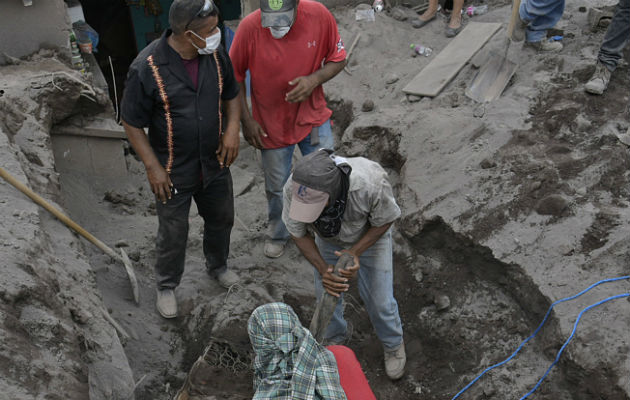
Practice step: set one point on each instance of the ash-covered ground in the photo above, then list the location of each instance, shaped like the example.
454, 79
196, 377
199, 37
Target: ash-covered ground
507, 207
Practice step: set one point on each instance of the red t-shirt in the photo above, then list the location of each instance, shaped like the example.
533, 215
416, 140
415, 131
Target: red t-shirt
353, 381
313, 40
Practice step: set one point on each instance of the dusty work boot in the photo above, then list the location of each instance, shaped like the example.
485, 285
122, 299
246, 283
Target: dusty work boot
545, 45
166, 303
274, 249
227, 278
599, 81
395, 360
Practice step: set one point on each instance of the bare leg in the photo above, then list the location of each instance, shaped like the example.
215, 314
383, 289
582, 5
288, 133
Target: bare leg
430, 12
456, 15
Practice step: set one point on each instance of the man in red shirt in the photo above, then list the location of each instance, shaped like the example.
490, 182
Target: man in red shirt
290, 48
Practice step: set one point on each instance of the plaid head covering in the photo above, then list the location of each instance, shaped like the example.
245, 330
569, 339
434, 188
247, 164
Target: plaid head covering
289, 363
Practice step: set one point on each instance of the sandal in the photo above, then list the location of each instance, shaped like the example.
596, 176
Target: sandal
452, 32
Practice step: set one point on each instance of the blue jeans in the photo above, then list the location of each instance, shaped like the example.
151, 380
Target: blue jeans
541, 15
277, 168
616, 37
376, 288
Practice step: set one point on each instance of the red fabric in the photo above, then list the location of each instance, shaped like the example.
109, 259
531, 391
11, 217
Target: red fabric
353, 380
313, 39
192, 67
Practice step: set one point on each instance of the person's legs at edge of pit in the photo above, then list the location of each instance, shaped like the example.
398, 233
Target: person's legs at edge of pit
427, 16
170, 246
539, 16
376, 288
455, 24
611, 50
277, 168
215, 203
375, 283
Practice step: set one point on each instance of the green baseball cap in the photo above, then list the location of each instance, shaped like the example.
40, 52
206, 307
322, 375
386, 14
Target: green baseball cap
278, 13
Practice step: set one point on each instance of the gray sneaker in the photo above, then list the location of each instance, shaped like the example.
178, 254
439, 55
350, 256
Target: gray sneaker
274, 249
545, 45
395, 360
166, 303
599, 81
227, 279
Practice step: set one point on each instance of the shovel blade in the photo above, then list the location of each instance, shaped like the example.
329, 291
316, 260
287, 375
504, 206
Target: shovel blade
491, 79
132, 275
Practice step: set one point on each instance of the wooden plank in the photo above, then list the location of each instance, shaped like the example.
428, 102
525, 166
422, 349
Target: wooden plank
435, 76
89, 132
103, 127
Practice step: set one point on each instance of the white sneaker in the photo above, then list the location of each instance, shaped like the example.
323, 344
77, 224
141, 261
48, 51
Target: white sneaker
599, 81
166, 303
227, 279
274, 249
395, 361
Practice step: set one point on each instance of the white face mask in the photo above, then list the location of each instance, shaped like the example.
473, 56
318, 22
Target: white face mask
212, 43
279, 32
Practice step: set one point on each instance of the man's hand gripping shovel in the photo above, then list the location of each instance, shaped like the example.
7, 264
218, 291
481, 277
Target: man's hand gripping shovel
327, 303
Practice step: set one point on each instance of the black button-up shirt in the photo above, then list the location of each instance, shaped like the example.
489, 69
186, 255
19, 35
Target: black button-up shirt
194, 112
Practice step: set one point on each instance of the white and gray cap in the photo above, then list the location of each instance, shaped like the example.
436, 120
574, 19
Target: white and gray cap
316, 179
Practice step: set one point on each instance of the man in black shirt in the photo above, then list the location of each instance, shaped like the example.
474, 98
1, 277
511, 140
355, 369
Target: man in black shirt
182, 88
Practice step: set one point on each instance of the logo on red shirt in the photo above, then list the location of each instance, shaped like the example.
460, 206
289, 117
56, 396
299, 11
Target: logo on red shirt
340, 45
312, 44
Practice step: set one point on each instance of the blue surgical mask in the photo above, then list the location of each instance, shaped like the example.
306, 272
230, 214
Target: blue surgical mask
278, 32
212, 43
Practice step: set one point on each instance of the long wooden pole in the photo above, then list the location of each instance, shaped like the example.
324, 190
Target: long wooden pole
354, 43
76, 227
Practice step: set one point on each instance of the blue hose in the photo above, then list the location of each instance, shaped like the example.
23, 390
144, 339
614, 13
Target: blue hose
569, 339
540, 327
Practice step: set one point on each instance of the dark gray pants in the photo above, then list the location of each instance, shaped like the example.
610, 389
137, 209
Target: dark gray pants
616, 37
215, 203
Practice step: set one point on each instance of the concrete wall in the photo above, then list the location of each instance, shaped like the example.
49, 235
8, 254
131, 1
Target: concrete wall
24, 30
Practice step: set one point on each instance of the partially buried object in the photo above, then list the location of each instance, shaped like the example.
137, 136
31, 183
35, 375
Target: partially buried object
368, 105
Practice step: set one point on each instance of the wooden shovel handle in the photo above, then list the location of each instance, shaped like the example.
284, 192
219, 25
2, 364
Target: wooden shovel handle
54, 211
516, 5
